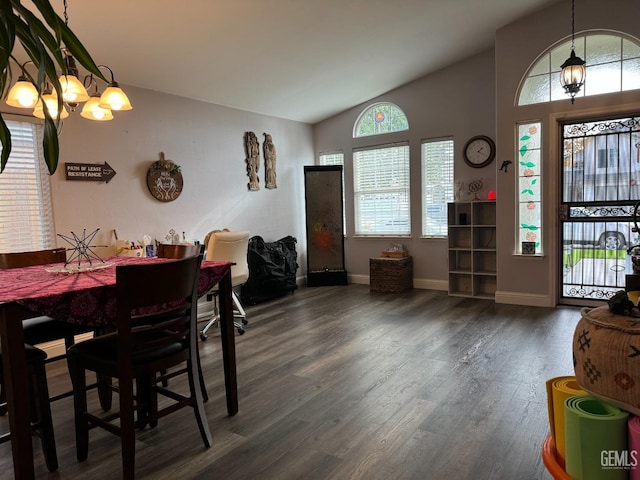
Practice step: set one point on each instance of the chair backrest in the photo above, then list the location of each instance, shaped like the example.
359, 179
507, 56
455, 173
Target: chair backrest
172, 250
160, 299
231, 247
37, 257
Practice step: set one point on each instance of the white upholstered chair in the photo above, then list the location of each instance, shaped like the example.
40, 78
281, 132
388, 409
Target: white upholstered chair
223, 245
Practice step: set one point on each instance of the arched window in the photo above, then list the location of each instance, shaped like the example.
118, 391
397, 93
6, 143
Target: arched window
380, 118
613, 65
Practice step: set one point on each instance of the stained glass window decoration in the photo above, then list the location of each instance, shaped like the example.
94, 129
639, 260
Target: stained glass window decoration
380, 118
529, 186
613, 65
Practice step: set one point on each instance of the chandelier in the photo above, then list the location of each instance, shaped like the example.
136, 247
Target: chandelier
99, 106
573, 69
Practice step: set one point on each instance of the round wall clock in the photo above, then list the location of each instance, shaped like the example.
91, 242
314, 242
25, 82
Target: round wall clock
479, 151
164, 180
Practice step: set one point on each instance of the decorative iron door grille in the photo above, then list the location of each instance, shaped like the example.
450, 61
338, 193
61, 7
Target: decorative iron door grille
600, 186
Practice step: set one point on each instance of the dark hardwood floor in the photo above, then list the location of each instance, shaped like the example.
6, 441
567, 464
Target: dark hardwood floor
338, 383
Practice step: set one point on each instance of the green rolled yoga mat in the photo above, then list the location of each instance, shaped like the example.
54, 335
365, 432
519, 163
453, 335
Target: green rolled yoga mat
595, 439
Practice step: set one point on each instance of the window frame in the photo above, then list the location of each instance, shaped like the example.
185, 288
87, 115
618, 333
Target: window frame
360, 191
448, 193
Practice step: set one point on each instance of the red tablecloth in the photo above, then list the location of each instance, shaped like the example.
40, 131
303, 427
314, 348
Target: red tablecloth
86, 298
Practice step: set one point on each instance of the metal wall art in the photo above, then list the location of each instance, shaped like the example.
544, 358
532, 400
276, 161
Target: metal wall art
164, 180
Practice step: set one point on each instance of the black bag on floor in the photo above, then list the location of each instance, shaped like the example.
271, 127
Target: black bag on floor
272, 269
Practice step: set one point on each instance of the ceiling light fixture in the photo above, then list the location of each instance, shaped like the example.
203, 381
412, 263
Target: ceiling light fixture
573, 69
25, 93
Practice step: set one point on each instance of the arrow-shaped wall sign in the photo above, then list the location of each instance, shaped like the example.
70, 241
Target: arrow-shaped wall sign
93, 172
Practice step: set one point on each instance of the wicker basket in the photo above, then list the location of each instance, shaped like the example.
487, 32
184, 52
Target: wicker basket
390, 275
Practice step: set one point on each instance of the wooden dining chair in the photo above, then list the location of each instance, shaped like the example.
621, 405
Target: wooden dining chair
176, 251
156, 330
43, 329
41, 422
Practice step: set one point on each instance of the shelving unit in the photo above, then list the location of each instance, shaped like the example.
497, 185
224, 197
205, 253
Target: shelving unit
472, 249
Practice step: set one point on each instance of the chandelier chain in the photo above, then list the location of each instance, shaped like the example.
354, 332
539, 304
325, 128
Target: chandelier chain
66, 17
573, 22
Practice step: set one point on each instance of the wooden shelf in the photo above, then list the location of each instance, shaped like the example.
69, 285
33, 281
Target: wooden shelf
472, 249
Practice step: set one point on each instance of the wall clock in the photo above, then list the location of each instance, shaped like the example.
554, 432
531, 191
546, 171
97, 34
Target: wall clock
479, 151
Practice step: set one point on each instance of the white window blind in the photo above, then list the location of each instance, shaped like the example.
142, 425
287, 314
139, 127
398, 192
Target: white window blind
437, 185
26, 217
381, 190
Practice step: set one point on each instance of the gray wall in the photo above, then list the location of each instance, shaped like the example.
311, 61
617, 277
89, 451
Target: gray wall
477, 96
527, 280
457, 102
207, 141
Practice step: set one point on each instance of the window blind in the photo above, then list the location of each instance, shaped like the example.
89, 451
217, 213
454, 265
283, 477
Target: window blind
381, 190
26, 216
437, 185
337, 158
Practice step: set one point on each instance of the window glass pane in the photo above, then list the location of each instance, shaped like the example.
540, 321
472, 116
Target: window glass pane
630, 49
380, 118
437, 186
381, 191
26, 219
529, 185
631, 74
541, 66
535, 90
603, 49
613, 65
602, 79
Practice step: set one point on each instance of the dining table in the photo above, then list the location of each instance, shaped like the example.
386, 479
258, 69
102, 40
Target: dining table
82, 294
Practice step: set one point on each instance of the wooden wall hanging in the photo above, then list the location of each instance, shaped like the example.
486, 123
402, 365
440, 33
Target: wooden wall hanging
269, 150
164, 180
252, 149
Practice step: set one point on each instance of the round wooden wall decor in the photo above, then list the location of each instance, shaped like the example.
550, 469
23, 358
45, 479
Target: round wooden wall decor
164, 180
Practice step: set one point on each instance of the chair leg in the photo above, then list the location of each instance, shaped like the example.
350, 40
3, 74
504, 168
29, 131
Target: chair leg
105, 394
198, 406
203, 386
43, 408
3, 400
79, 383
127, 428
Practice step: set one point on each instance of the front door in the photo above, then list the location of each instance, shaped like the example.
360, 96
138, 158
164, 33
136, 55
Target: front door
600, 187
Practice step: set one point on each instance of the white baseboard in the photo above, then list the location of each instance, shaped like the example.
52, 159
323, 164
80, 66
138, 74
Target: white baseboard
518, 298
421, 283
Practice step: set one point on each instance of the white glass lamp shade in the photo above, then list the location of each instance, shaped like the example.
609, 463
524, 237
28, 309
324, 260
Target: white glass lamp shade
572, 75
93, 111
72, 89
23, 94
52, 105
113, 98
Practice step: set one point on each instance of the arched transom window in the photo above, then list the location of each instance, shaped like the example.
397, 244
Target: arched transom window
380, 118
613, 65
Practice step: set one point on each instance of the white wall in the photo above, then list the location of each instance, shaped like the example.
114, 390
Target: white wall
207, 141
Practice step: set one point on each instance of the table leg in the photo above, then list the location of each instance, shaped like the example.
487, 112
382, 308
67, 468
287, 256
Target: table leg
227, 336
15, 366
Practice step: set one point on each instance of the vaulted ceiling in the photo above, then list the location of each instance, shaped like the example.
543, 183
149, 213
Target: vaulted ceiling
304, 60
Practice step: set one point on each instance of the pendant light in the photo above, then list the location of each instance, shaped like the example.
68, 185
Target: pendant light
573, 69
23, 94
